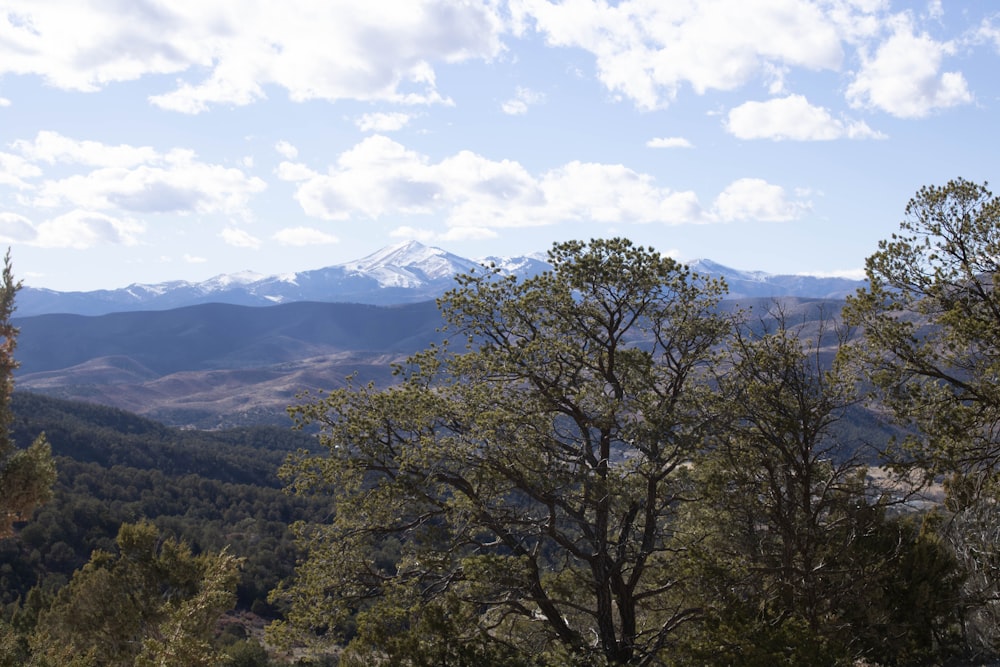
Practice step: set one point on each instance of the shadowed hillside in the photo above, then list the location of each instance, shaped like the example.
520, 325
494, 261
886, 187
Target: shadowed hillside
217, 365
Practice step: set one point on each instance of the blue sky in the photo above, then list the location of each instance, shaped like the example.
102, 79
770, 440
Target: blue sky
152, 140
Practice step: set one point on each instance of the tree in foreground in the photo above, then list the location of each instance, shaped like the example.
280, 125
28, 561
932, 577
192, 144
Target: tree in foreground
515, 501
799, 562
152, 603
931, 324
26, 475
931, 348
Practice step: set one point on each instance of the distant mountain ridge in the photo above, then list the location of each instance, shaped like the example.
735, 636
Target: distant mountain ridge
758, 284
407, 272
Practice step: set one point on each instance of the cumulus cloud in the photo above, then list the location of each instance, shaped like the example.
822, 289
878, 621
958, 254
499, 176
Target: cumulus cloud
136, 180
82, 229
303, 236
904, 78
475, 195
669, 142
647, 50
16, 228
239, 238
4, 102
229, 51
382, 122
14, 170
793, 118
53, 147
756, 199
523, 98
989, 31
294, 171
78, 229
286, 150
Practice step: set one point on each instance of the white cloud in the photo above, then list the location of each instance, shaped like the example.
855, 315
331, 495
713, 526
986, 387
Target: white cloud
286, 150
646, 50
904, 77
239, 238
756, 199
81, 229
523, 98
294, 171
78, 229
4, 102
303, 236
380, 178
14, 169
382, 122
792, 118
133, 180
53, 147
16, 228
193, 259
669, 142
988, 32
339, 49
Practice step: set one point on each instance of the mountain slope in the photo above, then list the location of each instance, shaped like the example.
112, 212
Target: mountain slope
752, 284
216, 365
403, 273
219, 365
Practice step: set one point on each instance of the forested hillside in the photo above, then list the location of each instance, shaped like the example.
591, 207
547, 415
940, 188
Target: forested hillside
211, 489
216, 365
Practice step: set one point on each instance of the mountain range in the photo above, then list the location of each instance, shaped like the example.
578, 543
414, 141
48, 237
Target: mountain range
238, 349
407, 272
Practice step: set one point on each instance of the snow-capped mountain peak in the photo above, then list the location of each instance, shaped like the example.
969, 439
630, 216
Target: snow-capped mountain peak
405, 272
229, 280
709, 267
409, 264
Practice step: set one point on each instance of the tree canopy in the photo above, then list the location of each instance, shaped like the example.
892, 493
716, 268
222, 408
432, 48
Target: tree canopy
931, 322
528, 482
931, 352
26, 475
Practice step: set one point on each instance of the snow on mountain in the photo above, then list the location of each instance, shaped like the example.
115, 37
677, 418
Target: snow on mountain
405, 272
527, 265
717, 270
409, 264
753, 284
227, 280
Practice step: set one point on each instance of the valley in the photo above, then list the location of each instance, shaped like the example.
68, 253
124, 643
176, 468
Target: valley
216, 365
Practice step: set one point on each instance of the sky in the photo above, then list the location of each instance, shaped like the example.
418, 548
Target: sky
143, 141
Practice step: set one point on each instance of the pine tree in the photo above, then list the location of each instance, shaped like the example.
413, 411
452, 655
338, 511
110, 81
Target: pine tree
26, 475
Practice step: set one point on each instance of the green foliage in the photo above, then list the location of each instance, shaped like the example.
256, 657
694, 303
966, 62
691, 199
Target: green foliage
533, 478
931, 351
246, 653
26, 475
211, 489
931, 324
796, 559
152, 603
